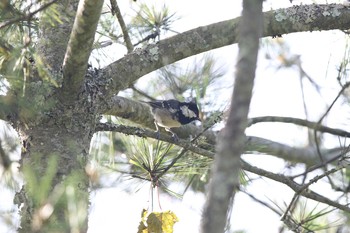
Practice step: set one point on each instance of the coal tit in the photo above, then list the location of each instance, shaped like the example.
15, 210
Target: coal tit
172, 113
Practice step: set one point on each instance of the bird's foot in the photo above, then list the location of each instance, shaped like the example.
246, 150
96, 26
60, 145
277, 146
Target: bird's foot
175, 137
158, 134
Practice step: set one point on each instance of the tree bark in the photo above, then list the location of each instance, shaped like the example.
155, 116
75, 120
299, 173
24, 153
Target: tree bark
226, 167
55, 136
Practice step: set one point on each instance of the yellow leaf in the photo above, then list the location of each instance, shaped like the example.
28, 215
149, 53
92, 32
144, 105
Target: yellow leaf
169, 219
157, 222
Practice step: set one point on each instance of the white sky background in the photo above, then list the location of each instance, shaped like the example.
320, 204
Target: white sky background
275, 93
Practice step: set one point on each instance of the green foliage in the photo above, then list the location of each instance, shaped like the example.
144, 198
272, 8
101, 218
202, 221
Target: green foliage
108, 28
40, 180
313, 220
23, 75
148, 159
152, 21
51, 15
160, 164
194, 81
54, 199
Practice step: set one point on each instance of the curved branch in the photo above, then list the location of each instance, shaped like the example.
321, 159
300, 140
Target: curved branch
79, 47
116, 11
302, 18
307, 155
129, 130
297, 121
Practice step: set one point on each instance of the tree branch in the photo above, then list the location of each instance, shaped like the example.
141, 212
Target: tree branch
139, 113
297, 121
293, 19
226, 167
307, 155
294, 186
305, 187
129, 130
79, 48
116, 11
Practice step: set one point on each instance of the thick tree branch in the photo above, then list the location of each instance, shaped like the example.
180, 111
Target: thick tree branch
79, 48
302, 18
297, 121
140, 113
307, 155
226, 167
129, 130
53, 39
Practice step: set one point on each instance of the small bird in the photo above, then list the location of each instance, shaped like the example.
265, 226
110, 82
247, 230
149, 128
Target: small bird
172, 113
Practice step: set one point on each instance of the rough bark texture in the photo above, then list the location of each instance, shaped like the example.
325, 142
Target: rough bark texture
79, 48
53, 38
226, 168
53, 132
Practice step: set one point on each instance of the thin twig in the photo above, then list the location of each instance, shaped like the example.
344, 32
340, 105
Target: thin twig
307, 185
262, 202
320, 121
115, 10
294, 186
312, 168
297, 121
142, 93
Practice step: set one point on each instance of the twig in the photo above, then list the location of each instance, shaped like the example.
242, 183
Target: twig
142, 93
319, 122
307, 185
116, 11
261, 202
294, 186
312, 168
297, 121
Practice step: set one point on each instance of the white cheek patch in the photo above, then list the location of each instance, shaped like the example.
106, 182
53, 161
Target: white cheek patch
187, 112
